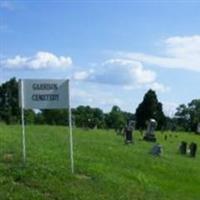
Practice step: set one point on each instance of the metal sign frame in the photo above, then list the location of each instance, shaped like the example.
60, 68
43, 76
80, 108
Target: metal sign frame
22, 103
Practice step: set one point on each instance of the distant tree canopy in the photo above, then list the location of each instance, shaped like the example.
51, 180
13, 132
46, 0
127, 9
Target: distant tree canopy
9, 104
149, 108
82, 116
9, 109
115, 119
85, 116
188, 116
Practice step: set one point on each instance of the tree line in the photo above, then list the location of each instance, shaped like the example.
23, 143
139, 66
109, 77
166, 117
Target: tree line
82, 116
186, 118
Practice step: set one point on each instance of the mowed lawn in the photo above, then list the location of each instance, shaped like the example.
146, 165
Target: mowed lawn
105, 168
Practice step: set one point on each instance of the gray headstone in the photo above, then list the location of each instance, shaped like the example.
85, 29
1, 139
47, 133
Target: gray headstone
198, 128
150, 132
157, 150
129, 132
183, 148
193, 149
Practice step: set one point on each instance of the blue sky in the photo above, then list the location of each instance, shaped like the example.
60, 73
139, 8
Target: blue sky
113, 51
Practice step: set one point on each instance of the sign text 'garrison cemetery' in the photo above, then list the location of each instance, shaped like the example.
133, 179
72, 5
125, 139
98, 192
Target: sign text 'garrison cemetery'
44, 93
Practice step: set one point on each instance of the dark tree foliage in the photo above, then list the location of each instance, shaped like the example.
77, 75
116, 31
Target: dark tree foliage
181, 118
85, 116
115, 119
194, 112
9, 109
55, 117
149, 108
82, 116
188, 116
9, 104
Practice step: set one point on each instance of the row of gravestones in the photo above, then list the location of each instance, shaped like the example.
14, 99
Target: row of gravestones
150, 136
190, 149
184, 149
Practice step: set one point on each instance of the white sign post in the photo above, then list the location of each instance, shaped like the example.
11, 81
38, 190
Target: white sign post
45, 94
22, 122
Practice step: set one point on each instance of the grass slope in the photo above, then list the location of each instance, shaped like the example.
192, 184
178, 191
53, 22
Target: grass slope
105, 167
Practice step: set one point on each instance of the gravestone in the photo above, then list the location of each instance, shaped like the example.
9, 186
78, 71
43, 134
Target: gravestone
157, 150
165, 137
183, 148
193, 149
150, 132
128, 132
198, 128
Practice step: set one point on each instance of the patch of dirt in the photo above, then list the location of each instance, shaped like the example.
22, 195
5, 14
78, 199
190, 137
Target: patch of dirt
82, 177
8, 157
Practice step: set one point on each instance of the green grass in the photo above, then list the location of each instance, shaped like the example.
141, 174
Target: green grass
105, 168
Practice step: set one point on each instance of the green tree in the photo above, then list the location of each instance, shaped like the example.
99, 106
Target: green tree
39, 118
9, 107
115, 119
188, 116
194, 112
55, 117
182, 118
85, 116
29, 116
150, 107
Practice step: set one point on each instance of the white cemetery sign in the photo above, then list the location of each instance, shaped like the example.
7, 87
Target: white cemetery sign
45, 94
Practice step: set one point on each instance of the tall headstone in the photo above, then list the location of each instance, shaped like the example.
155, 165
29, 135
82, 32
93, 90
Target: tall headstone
128, 132
193, 149
150, 132
183, 148
198, 128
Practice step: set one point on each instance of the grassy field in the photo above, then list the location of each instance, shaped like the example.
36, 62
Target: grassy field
105, 168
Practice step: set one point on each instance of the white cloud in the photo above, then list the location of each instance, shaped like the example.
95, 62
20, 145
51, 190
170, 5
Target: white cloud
133, 70
158, 87
122, 72
169, 108
42, 60
180, 53
187, 46
82, 75
16, 62
88, 95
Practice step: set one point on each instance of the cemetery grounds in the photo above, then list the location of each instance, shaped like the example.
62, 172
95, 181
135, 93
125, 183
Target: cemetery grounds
105, 168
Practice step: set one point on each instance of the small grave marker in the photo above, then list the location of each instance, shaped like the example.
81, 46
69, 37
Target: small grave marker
157, 150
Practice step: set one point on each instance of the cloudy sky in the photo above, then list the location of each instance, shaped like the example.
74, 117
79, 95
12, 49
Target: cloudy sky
112, 51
